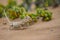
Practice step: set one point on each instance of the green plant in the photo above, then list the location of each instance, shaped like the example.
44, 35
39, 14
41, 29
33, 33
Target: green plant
48, 16
45, 14
11, 3
22, 16
22, 12
11, 14
40, 12
1, 10
34, 17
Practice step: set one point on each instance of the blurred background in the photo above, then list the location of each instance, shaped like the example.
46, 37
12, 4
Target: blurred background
28, 4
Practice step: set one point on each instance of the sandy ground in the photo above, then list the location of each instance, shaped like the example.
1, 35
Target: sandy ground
39, 31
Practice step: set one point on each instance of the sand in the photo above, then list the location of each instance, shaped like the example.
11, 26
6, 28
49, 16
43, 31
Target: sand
39, 31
